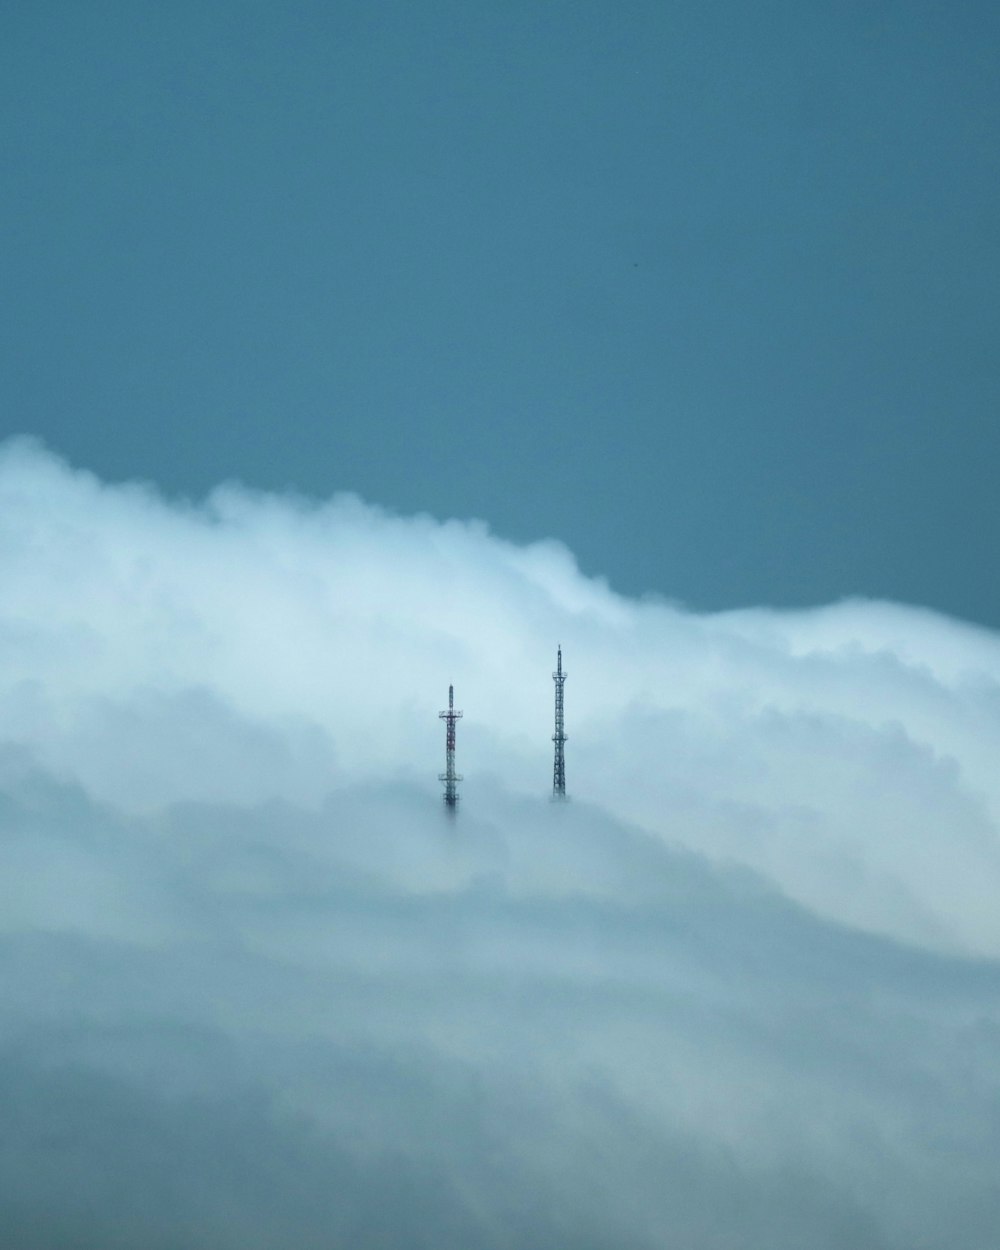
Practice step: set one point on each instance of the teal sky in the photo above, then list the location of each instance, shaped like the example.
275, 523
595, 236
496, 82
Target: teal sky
707, 290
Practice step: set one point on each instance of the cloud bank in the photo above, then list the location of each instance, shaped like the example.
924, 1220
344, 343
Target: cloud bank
742, 991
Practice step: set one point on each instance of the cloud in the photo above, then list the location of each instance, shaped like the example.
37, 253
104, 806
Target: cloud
741, 991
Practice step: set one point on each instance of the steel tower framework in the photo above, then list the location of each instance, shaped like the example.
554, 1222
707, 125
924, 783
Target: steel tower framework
559, 737
449, 776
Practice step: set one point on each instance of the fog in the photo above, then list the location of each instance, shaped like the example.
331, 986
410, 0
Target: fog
742, 990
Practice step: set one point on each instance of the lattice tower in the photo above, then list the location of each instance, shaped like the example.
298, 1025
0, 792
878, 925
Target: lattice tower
559, 737
449, 776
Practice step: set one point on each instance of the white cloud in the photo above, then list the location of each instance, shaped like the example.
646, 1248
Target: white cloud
741, 991
260, 646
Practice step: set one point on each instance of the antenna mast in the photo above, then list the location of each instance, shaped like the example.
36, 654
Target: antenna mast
559, 737
449, 776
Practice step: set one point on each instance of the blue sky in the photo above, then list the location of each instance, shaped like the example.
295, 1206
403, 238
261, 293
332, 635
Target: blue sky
707, 291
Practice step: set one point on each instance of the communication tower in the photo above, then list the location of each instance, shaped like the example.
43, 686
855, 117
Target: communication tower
559, 737
449, 776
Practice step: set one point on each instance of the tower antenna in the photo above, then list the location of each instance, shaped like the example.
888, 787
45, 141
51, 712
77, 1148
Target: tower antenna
559, 737
449, 776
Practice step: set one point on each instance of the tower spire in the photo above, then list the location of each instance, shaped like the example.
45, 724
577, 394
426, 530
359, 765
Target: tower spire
559, 737
449, 776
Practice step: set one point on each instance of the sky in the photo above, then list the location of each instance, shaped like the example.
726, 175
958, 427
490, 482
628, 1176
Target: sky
705, 290
357, 350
